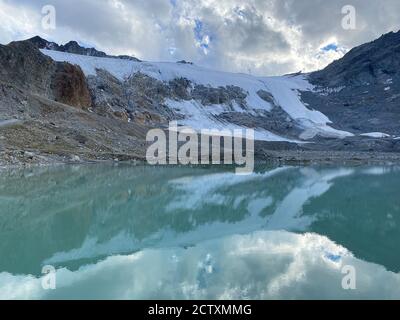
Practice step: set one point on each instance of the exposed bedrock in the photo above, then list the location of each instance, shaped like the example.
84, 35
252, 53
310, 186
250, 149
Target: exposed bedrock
69, 86
144, 98
22, 65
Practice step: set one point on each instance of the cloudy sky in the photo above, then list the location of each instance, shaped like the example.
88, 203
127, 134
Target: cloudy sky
264, 37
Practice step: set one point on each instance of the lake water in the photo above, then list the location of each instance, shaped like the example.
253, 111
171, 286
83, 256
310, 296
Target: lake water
141, 232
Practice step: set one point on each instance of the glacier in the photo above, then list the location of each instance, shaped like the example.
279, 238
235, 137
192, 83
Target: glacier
284, 90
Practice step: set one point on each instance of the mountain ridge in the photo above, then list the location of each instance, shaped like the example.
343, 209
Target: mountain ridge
73, 47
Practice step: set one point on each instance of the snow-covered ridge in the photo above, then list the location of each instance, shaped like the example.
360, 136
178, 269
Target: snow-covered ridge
283, 89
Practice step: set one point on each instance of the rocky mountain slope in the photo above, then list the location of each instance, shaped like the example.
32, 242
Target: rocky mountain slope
45, 113
361, 92
69, 103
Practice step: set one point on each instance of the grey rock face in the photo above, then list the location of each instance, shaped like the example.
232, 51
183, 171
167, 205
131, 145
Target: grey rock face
24, 66
184, 62
266, 96
142, 95
361, 109
145, 98
222, 95
74, 47
275, 121
137, 98
107, 94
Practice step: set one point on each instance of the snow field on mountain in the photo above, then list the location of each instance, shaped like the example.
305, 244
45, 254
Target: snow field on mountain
285, 92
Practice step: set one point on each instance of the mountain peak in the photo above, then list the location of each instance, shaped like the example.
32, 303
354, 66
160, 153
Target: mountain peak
74, 47
41, 43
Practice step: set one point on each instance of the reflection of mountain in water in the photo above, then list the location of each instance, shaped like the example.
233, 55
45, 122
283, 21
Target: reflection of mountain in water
74, 215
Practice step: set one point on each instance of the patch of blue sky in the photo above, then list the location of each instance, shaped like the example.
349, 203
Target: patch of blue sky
333, 257
330, 47
203, 38
198, 29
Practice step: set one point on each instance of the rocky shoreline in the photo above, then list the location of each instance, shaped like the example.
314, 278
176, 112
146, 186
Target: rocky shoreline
27, 159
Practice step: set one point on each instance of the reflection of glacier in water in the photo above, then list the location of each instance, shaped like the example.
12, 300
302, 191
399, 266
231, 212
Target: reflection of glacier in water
196, 233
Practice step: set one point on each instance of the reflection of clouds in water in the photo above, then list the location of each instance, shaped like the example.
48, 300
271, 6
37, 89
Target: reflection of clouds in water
262, 265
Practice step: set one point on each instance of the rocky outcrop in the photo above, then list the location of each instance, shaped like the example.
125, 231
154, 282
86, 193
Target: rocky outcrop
74, 47
139, 98
22, 65
69, 86
143, 98
222, 95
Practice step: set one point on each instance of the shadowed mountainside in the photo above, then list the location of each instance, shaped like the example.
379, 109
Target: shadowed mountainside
361, 91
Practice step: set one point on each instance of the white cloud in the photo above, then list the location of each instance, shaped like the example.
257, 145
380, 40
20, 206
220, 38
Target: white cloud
289, 266
262, 36
16, 22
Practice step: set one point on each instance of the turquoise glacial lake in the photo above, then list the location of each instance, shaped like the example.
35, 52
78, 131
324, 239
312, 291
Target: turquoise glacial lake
141, 232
